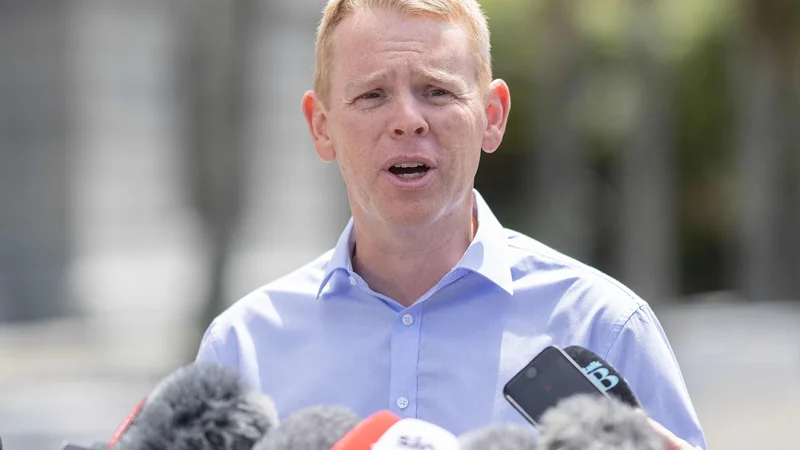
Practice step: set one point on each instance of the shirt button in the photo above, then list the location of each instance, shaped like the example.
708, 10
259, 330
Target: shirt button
408, 319
353, 280
402, 403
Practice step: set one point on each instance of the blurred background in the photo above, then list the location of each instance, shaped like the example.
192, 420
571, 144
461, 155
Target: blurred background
155, 167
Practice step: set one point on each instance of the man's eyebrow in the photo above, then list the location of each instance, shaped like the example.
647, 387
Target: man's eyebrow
441, 76
357, 85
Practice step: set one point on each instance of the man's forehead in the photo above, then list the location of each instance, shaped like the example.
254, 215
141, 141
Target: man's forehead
377, 19
431, 48
368, 30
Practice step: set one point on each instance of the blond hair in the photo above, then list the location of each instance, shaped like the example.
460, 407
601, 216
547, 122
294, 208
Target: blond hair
466, 13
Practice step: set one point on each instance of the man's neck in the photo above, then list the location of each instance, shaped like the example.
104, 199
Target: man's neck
405, 264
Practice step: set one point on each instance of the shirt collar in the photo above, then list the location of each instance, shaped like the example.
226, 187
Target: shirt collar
486, 254
341, 259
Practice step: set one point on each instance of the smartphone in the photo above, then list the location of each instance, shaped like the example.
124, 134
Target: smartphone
550, 377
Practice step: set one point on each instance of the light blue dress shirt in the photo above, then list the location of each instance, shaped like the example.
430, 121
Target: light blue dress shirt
321, 336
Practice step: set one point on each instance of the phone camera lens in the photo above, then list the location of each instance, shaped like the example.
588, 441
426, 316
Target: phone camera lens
531, 372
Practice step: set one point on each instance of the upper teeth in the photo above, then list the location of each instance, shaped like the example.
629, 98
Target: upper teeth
408, 165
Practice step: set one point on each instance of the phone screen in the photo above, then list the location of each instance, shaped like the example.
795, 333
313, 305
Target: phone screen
551, 376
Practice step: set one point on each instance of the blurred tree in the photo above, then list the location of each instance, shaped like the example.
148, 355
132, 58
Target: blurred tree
215, 43
703, 115
668, 117
506, 174
764, 70
559, 188
648, 232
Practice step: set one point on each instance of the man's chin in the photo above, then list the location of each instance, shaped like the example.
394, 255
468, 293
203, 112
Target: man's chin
410, 215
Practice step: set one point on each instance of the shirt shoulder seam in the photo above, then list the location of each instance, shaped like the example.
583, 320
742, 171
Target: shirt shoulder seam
577, 265
214, 338
622, 327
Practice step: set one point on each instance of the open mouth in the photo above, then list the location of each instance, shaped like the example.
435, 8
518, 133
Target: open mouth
409, 170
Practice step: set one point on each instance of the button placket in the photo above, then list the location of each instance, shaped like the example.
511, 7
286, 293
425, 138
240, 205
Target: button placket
405, 348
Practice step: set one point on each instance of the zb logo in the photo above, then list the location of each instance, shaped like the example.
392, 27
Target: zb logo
415, 443
601, 376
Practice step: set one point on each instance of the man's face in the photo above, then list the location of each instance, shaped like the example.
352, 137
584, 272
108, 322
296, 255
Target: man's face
406, 118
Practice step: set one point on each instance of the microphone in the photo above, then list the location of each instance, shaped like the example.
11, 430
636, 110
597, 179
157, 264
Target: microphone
416, 434
505, 437
590, 422
367, 432
604, 375
115, 437
315, 428
123, 426
70, 446
201, 406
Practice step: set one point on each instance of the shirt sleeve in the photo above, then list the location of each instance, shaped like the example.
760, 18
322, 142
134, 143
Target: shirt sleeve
643, 355
208, 351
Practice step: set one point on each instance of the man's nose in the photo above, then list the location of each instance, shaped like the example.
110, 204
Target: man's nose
408, 119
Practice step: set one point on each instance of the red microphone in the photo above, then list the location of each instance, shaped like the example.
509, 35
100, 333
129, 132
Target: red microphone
367, 432
125, 424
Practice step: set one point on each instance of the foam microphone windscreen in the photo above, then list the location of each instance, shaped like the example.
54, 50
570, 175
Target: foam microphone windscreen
503, 437
315, 428
367, 432
603, 374
588, 422
202, 406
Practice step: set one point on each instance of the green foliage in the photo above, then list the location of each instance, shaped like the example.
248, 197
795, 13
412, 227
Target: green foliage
692, 41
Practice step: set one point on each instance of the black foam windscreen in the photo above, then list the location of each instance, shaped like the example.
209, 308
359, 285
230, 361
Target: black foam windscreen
603, 374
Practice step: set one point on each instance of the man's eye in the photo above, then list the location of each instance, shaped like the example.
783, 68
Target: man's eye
370, 95
438, 92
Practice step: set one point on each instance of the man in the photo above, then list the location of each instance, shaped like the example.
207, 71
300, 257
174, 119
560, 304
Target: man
427, 306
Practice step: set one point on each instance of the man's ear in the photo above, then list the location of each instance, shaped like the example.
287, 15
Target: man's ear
498, 105
317, 120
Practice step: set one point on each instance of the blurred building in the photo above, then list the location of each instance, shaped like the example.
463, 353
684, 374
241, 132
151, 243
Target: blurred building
35, 149
98, 184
